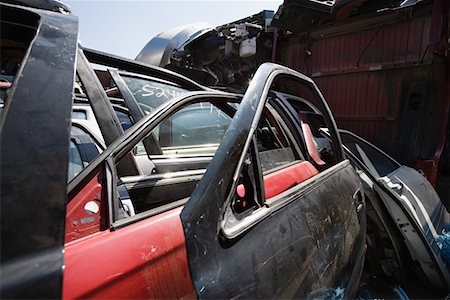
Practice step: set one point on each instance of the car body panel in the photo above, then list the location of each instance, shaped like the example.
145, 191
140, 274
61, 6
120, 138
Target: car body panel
293, 249
168, 41
143, 260
307, 240
84, 211
423, 208
342, 225
412, 203
34, 156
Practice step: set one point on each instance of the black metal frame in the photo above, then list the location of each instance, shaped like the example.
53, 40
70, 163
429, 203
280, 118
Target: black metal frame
104, 113
209, 248
134, 66
151, 145
34, 143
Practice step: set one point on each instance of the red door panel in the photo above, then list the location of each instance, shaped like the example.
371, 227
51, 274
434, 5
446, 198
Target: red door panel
142, 260
279, 181
86, 212
282, 180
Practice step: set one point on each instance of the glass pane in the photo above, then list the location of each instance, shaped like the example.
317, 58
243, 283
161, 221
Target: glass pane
79, 115
198, 127
124, 119
376, 162
273, 145
194, 130
149, 93
75, 162
77, 131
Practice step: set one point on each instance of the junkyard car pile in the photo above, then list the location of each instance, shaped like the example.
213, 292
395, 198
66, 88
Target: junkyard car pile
137, 182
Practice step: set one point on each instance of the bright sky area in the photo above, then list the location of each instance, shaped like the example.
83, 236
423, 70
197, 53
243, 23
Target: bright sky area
124, 27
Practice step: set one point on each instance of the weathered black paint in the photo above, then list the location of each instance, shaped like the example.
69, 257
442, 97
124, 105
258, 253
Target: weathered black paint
34, 143
104, 113
151, 145
106, 117
379, 203
134, 66
290, 253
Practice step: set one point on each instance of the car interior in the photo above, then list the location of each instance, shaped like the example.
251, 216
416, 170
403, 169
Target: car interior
186, 141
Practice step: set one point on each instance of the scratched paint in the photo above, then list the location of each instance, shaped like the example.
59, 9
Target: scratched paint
143, 260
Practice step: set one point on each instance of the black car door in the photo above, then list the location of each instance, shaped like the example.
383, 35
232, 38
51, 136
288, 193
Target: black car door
34, 142
268, 221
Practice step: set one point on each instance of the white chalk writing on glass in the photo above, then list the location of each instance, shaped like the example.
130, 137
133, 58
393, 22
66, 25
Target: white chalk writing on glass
149, 91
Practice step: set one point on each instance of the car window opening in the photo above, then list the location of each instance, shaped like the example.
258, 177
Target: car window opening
188, 138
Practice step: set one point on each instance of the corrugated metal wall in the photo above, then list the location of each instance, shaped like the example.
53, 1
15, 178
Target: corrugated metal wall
373, 73
382, 44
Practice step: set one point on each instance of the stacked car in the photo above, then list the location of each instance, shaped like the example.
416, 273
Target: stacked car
132, 181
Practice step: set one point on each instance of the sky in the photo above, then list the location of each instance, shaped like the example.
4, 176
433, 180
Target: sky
124, 27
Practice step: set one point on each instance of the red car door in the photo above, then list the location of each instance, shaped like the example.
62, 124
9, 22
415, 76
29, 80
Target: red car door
144, 260
124, 237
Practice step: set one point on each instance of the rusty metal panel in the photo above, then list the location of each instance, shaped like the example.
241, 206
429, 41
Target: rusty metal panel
363, 102
381, 78
364, 49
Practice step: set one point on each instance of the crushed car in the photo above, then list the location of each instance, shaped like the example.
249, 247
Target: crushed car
382, 65
195, 193
373, 89
224, 56
408, 224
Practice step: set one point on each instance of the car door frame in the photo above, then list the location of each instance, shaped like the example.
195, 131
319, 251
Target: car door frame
33, 183
203, 214
121, 146
107, 162
162, 163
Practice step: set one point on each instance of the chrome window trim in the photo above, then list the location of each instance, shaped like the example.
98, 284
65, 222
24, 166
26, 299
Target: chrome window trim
130, 179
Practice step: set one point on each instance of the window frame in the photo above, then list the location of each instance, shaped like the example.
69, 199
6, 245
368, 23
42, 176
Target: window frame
123, 145
173, 105
281, 122
230, 226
